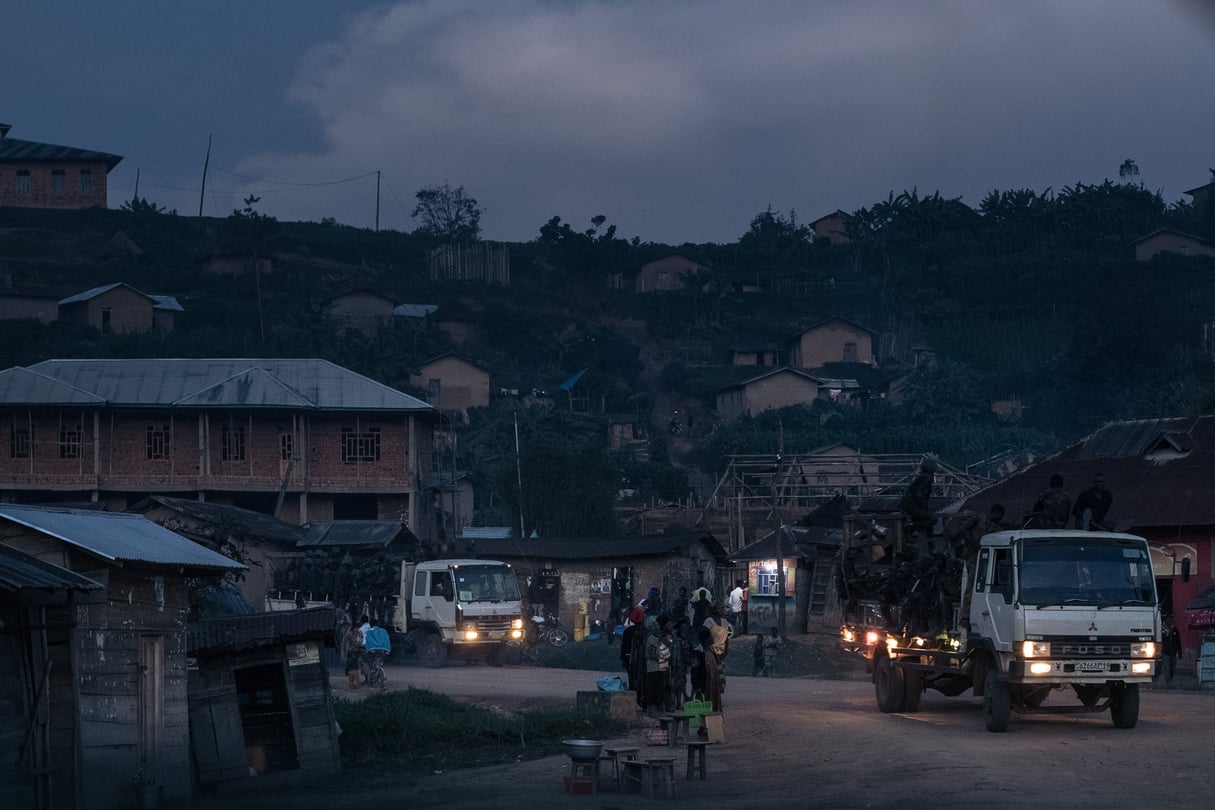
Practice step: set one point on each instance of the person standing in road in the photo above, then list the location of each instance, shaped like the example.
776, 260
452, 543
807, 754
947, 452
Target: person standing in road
1171, 649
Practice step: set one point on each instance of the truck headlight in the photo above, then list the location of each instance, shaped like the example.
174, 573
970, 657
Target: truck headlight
872, 637
1035, 649
470, 634
516, 624
516, 634
1141, 668
1143, 649
1039, 668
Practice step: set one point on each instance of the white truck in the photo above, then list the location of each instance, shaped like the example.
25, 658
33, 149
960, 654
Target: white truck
1050, 611
466, 608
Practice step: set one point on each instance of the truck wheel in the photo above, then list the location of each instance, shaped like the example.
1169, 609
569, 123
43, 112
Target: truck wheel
1124, 704
434, 652
995, 702
913, 688
888, 685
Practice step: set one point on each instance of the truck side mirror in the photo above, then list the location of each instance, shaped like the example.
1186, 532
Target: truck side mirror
1185, 569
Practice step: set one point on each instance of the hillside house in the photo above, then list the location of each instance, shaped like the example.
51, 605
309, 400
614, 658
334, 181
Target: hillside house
120, 309
1168, 240
453, 384
105, 698
43, 175
1202, 196
665, 274
1161, 473
832, 228
303, 439
833, 340
778, 388
361, 310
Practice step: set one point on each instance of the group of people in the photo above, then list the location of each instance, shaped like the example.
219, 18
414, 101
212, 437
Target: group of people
1054, 508
358, 642
665, 653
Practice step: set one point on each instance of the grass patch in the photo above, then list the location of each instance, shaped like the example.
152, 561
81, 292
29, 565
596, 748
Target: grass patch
418, 730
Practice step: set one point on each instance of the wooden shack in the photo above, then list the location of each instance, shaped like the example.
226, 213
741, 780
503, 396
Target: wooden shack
113, 684
259, 697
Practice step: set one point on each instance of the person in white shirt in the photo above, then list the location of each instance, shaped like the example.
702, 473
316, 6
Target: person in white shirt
734, 604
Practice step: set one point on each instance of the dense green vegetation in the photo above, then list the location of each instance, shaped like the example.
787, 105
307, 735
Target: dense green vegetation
419, 731
1033, 296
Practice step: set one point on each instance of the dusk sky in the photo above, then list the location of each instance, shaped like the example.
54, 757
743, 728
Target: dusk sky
678, 121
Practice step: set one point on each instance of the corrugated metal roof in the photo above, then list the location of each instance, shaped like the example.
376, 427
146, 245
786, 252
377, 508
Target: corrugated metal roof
117, 536
1161, 473
203, 383
414, 310
254, 523
357, 534
16, 150
166, 302
799, 541
20, 571
22, 386
486, 532
258, 629
96, 291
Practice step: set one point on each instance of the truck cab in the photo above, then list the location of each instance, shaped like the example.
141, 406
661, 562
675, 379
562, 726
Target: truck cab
461, 606
1053, 609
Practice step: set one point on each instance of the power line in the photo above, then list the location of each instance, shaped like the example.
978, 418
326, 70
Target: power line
292, 183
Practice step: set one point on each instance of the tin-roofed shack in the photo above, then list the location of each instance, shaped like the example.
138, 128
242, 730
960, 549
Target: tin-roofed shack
607, 574
259, 697
111, 682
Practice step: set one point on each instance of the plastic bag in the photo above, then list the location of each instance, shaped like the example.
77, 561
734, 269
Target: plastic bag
611, 683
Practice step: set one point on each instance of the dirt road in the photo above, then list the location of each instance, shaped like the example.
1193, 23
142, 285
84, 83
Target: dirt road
811, 743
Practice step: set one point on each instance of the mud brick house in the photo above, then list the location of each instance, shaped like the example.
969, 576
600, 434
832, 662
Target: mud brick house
43, 175
833, 340
100, 693
364, 311
778, 388
120, 309
303, 440
453, 384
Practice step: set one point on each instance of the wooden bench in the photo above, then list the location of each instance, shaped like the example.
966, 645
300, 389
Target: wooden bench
650, 776
676, 725
618, 755
696, 758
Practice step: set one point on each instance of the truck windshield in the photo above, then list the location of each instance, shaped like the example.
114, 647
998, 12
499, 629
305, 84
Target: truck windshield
1079, 571
486, 583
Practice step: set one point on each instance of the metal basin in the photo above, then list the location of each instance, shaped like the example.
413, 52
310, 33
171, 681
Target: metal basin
582, 749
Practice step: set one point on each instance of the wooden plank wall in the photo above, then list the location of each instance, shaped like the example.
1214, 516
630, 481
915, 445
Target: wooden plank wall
16, 783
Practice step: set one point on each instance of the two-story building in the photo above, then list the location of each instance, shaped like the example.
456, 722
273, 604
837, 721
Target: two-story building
302, 439
43, 175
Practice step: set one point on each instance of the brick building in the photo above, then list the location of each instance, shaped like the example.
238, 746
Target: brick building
43, 175
305, 440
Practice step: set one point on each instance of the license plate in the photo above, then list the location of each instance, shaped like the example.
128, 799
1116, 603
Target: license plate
1092, 666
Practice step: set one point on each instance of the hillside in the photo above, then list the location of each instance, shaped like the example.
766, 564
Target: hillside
1034, 298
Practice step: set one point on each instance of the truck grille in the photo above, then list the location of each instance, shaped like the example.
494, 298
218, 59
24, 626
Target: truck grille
490, 624
1077, 648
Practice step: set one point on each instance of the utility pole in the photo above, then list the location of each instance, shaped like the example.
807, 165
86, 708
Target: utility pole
519, 477
377, 201
203, 191
136, 197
